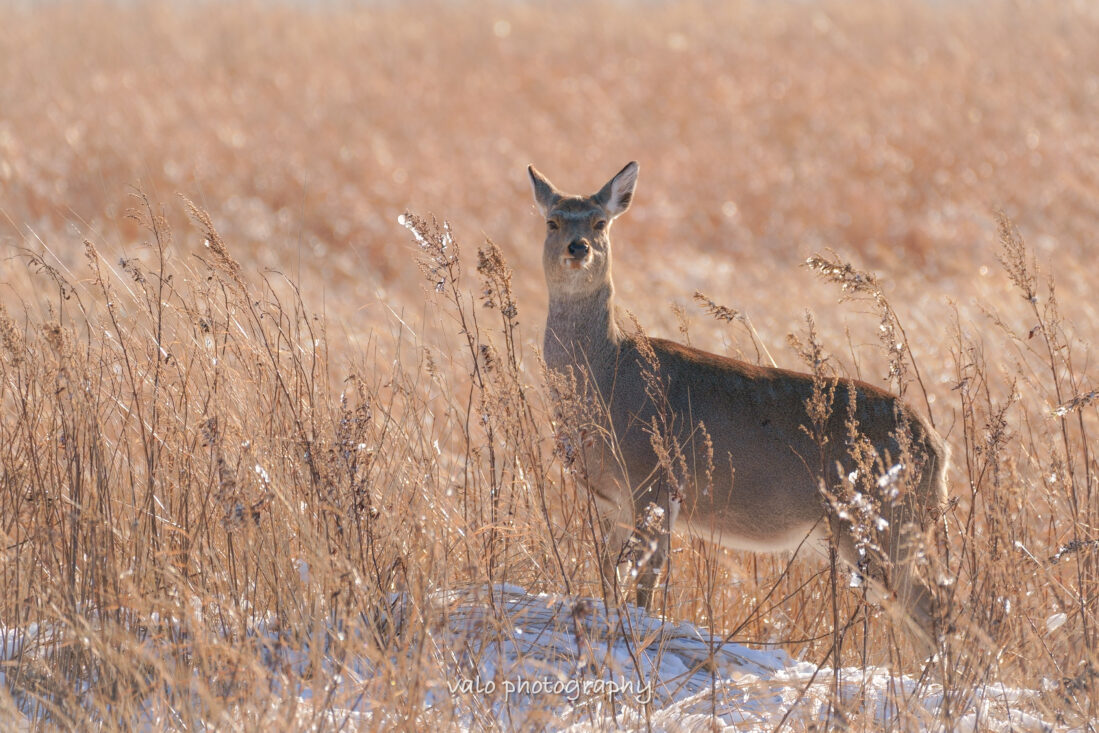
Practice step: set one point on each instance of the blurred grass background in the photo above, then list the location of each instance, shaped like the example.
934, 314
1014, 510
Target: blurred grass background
765, 131
889, 132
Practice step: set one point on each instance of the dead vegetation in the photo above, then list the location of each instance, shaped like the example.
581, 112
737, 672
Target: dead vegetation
250, 412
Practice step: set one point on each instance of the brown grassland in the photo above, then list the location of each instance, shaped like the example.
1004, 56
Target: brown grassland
257, 407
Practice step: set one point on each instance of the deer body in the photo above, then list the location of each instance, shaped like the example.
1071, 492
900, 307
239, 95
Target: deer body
749, 473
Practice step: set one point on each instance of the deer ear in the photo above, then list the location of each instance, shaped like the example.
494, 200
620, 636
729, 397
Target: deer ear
545, 195
615, 197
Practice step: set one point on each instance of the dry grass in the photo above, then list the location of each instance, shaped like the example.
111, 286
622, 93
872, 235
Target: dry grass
200, 402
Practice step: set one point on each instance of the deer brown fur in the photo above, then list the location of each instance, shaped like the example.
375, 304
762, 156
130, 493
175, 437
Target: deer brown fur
766, 473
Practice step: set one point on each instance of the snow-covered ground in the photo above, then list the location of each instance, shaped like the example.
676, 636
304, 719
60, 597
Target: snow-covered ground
566, 657
511, 659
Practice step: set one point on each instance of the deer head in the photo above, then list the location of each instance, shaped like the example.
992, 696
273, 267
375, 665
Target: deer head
577, 253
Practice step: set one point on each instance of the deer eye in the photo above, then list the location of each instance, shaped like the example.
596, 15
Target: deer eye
600, 225
551, 225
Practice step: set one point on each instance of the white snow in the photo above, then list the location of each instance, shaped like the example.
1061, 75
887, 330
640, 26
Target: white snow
500, 655
668, 676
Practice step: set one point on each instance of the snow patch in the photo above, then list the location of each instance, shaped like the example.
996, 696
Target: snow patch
499, 656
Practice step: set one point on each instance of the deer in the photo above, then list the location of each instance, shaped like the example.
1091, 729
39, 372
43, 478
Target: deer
770, 465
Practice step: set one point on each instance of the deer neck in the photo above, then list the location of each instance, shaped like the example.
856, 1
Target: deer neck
581, 331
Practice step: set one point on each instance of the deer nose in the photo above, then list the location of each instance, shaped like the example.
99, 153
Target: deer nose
578, 248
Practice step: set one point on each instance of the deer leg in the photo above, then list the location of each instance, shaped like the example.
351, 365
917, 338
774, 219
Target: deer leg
648, 581
912, 595
656, 533
617, 527
897, 587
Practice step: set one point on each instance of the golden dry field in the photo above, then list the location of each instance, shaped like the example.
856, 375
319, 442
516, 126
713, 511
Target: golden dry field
239, 402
